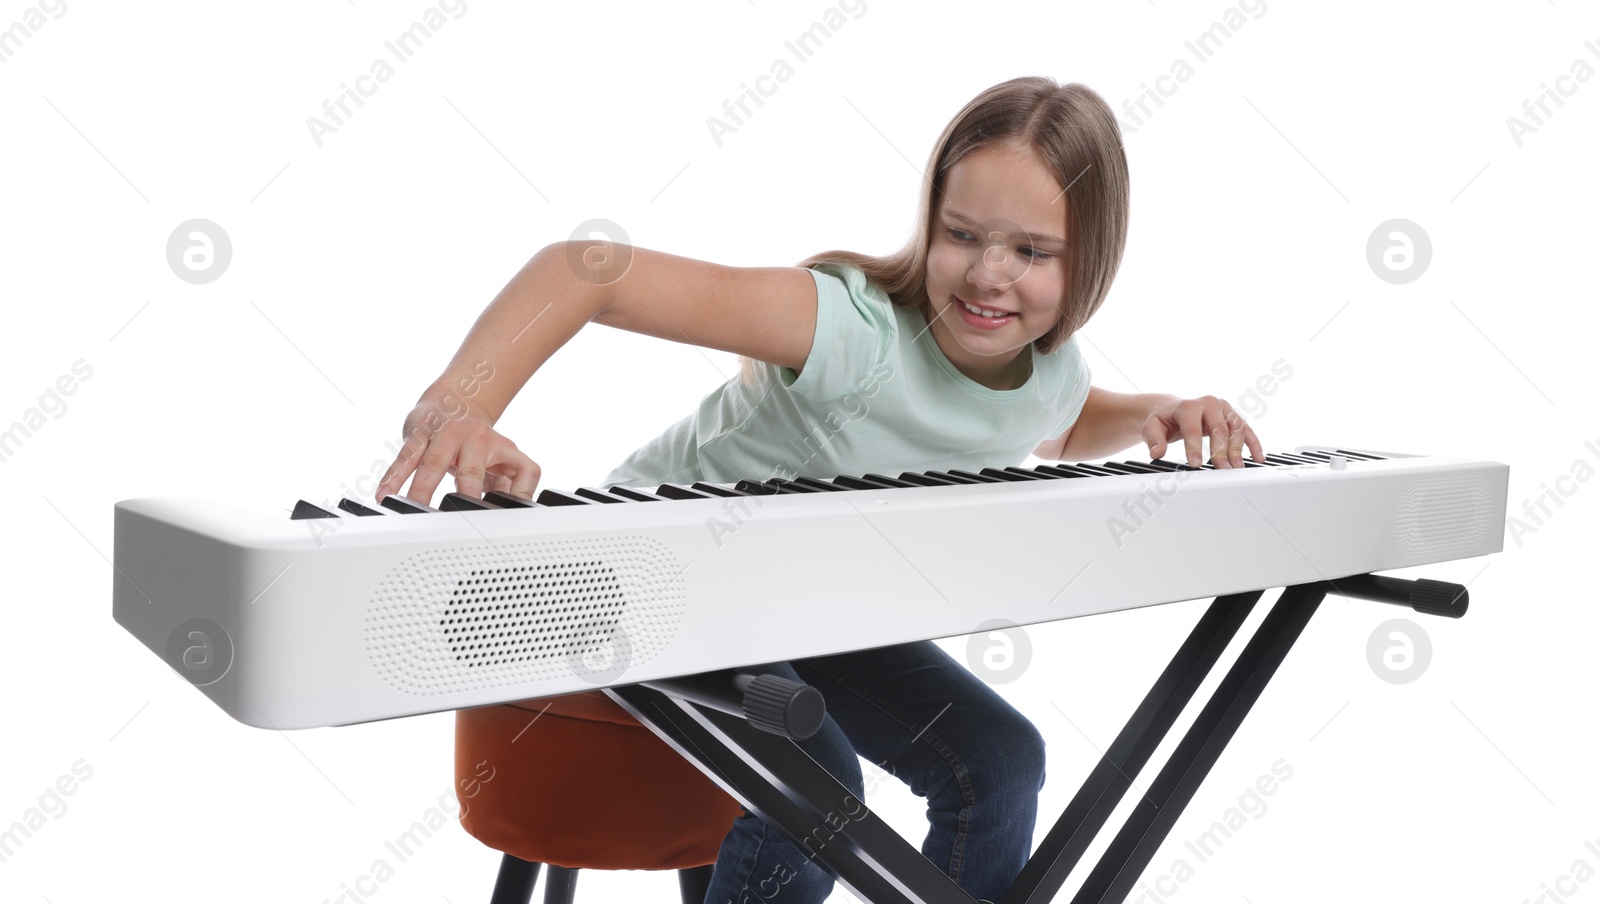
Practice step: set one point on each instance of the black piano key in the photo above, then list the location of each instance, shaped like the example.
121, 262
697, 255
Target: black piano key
458, 502
999, 474
754, 488
1156, 466
847, 482
679, 491
890, 482
970, 475
787, 486
946, 475
1058, 471
556, 497
405, 505
1319, 456
507, 500
1094, 470
716, 490
1299, 458
1142, 467
1175, 466
304, 510
356, 508
1029, 473
1078, 469
634, 495
1364, 456
1279, 458
1165, 465
820, 485
1120, 468
597, 495
929, 480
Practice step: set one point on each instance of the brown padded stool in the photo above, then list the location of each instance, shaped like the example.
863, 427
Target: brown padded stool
576, 782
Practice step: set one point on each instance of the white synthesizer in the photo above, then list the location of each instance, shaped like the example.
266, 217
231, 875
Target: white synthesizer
361, 612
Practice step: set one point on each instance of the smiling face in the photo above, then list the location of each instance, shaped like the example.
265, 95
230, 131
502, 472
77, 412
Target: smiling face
996, 244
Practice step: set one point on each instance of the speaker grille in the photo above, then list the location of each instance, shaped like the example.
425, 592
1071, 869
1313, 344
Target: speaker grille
1442, 517
486, 616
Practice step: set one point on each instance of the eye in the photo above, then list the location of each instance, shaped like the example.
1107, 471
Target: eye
1033, 254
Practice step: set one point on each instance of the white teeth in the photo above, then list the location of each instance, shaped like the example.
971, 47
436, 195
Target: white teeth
982, 313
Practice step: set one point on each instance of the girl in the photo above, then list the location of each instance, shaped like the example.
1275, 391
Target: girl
959, 350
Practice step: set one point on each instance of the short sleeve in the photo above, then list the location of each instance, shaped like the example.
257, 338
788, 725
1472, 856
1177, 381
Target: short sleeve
855, 329
1074, 386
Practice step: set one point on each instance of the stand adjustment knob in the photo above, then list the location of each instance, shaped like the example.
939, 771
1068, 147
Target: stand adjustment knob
776, 704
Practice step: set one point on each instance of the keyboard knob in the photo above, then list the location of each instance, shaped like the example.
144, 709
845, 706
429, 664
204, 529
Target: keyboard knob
776, 704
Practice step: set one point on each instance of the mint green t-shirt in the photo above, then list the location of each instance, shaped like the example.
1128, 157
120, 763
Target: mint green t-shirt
875, 395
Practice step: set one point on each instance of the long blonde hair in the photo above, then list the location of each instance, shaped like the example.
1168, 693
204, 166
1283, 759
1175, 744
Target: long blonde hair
1075, 135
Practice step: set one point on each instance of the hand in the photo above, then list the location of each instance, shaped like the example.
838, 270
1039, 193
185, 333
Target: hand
1207, 416
467, 448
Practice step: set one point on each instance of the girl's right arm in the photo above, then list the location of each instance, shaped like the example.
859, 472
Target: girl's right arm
766, 313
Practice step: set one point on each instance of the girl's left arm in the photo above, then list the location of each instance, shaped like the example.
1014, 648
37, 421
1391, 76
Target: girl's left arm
1113, 421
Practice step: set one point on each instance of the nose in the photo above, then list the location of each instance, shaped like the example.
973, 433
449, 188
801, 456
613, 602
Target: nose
993, 266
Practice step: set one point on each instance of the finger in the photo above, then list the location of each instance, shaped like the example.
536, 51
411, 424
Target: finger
1235, 440
1155, 436
1219, 446
526, 479
1254, 444
505, 464
500, 483
404, 463
441, 452
1217, 418
1191, 427
469, 469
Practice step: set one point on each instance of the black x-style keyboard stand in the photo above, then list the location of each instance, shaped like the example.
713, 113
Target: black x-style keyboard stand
772, 777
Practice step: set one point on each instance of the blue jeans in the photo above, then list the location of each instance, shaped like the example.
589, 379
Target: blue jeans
926, 719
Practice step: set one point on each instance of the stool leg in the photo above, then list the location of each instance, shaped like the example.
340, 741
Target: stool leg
560, 884
514, 884
695, 881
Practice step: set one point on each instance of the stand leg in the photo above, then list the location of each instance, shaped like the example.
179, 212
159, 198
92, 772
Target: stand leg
1130, 852
773, 778
1056, 856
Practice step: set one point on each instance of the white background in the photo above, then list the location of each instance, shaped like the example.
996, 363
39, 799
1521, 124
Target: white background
359, 265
